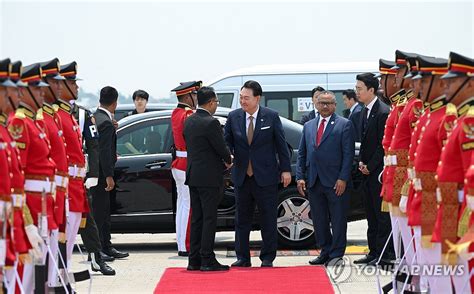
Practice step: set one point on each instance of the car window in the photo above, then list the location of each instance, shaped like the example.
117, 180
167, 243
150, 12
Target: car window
147, 137
225, 99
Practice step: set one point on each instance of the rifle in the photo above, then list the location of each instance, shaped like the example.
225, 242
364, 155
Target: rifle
41, 267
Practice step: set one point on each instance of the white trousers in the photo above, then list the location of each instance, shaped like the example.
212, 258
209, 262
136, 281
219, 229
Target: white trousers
432, 256
462, 283
396, 235
10, 279
72, 227
183, 205
407, 235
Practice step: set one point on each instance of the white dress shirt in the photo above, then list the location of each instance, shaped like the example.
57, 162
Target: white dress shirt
371, 105
325, 123
247, 119
352, 108
108, 112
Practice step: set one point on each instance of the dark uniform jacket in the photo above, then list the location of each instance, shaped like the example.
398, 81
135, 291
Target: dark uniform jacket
107, 144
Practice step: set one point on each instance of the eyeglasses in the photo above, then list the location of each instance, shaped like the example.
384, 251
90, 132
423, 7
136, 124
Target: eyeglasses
326, 104
217, 101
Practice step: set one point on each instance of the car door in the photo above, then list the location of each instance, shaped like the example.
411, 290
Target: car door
143, 170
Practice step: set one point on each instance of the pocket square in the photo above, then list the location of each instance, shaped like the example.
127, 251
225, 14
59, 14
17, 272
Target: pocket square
265, 128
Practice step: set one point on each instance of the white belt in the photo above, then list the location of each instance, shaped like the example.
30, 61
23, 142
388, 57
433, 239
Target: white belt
75, 171
61, 181
181, 153
439, 197
39, 186
411, 173
17, 200
417, 184
390, 160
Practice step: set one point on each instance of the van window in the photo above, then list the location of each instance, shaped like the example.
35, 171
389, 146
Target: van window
286, 103
279, 105
225, 99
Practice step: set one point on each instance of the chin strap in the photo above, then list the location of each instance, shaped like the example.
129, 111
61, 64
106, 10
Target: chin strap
459, 89
33, 96
69, 89
11, 102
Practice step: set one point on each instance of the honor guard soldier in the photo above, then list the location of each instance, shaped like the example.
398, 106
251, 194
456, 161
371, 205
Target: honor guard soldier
36, 161
82, 125
53, 125
21, 214
187, 102
454, 164
426, 160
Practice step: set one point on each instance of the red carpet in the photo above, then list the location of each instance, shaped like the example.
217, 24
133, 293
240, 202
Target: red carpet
298, 279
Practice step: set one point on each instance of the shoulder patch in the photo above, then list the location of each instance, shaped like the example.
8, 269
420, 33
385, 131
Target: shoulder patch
16, 130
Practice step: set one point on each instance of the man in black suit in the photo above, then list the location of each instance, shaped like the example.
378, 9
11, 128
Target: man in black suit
372, 122
312, 114
208, 156
107, 158
255, 136
354, 109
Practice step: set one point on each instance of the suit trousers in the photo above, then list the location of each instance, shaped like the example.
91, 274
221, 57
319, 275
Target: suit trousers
90, 233
101, 212
204, 203
266, 199
329, 213
379, 223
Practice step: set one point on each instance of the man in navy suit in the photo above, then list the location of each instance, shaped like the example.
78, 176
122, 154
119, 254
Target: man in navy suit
349, 97
324, 166
312, 114
255, 136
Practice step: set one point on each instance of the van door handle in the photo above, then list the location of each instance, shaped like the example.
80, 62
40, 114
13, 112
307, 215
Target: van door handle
156, 164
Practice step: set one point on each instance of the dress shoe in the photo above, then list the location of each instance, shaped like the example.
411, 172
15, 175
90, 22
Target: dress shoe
387, 264
334, 261
193, 267
98, 265
183, 253
320, 260
104, 257
267, 263
366, 259
214, 267
111, 251
241, 263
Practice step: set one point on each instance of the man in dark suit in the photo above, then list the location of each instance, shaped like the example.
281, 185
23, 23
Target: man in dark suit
324, 166
207, 155
107, 158
312, 114
373, 118
352, 104
255, 136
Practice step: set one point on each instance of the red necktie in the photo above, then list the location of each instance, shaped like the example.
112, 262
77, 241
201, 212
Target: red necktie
319, 136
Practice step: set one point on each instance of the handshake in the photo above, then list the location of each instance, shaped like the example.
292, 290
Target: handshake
229, 165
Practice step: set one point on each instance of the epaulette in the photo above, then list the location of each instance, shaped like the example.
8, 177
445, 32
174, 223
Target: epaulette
55, 107
64, 105
464, 107
3, 119
39, 114
23, 113
450, 118
451, 110
438, 103
48, 109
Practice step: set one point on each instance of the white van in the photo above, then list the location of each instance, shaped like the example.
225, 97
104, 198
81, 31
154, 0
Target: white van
287, 88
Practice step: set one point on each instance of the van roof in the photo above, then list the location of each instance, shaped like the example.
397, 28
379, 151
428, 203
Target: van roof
334, 67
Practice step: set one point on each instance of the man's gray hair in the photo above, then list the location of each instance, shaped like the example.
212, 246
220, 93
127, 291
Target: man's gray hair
331, 93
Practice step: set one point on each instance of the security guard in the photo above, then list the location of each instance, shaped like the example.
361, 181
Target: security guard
82, 124
426, 160
36, 161
187, 102
55, 134
454, 164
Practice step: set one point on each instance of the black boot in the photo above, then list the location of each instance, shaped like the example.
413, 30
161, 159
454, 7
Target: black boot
98, 265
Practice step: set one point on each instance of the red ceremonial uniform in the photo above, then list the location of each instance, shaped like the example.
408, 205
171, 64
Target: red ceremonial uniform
400, 145
453, 165
76, 160
54, 130
178, 117
39, 168
392, 120
17, 181
424, 206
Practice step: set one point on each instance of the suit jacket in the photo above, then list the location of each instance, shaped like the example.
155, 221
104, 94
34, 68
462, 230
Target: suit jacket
107, 144
268, 142
307, 117
354, 117
206, 150
371, 149
332, 159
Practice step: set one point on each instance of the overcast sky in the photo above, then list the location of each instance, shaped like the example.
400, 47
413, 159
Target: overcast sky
155, 45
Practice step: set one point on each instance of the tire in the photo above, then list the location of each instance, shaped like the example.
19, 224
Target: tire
294, 224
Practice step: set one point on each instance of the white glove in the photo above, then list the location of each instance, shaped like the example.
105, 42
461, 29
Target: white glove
3, 252
470, 202
91, 182
35, 240
403, 203
460, 196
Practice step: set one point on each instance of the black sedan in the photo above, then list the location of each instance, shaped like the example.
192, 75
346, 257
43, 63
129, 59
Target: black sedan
145, 197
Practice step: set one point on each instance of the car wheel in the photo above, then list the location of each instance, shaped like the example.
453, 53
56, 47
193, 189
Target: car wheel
294, 223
